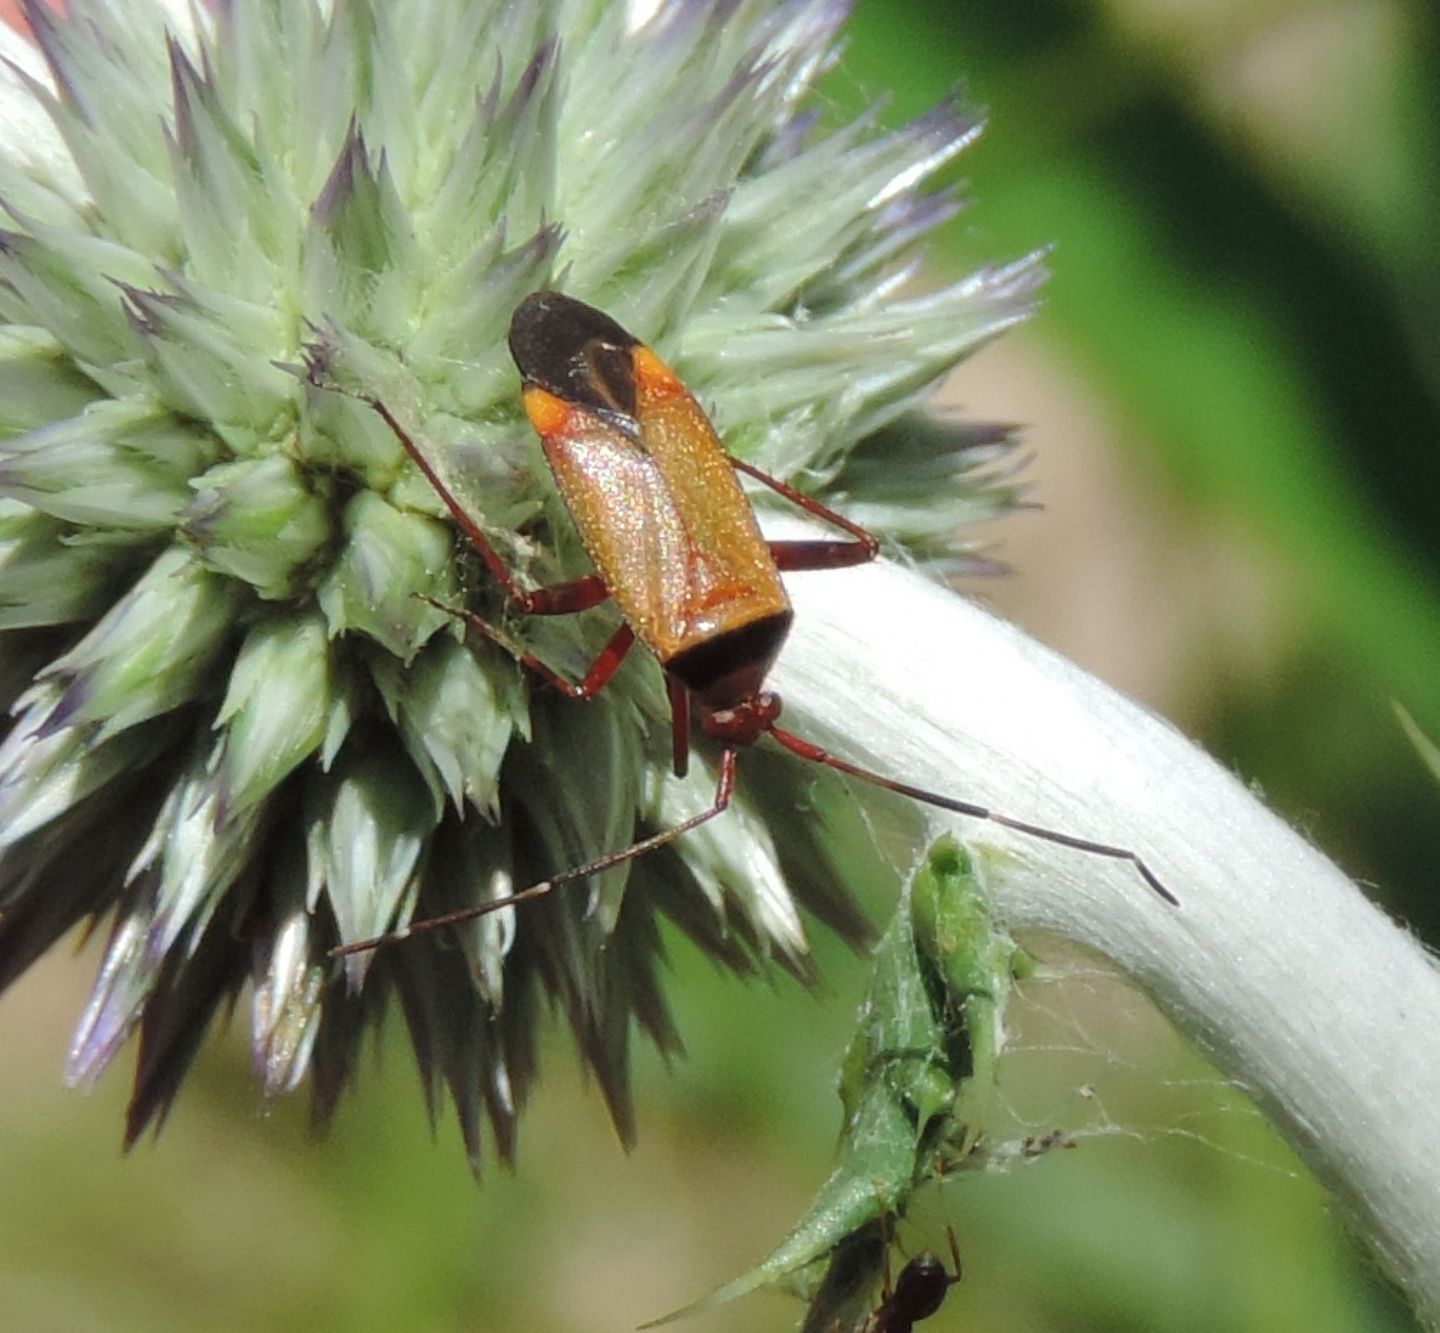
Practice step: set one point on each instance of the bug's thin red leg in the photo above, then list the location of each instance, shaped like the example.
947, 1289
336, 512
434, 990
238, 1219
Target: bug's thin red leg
558, 600
463, 521
594, 680
565, 599
724, 790
817, 554
679, 723
808, 750
791, 556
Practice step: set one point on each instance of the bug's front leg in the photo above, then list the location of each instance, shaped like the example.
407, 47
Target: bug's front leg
561, 599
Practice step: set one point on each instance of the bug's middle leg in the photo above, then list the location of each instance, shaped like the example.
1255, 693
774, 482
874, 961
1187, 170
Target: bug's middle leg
594, 680
679, 696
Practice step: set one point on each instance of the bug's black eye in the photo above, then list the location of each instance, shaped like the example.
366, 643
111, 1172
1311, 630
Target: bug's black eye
574, 351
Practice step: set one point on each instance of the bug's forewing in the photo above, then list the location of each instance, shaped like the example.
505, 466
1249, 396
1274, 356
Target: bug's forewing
666, 523
627, 520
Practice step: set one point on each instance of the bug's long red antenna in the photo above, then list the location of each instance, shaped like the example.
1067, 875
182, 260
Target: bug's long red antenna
724, 790
808, 750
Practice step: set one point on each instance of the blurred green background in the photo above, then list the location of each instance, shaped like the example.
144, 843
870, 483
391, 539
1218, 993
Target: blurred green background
1234, 387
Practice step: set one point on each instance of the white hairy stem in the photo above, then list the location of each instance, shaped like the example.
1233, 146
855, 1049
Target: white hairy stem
1303, 992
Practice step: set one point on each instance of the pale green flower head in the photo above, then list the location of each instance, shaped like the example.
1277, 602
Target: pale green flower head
238, 737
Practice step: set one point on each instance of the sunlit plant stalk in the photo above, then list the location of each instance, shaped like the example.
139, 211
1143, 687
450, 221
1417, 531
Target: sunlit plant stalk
1304, 993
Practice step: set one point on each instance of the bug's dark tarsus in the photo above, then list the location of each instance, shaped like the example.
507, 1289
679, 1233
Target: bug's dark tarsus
676, 546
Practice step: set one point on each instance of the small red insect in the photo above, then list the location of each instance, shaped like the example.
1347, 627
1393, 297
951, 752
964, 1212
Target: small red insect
675, 545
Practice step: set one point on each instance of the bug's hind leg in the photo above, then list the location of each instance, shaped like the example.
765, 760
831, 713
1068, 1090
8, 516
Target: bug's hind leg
724, 790
819, 755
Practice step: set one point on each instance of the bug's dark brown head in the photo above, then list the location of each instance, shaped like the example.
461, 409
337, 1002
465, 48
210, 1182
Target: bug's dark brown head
574, 351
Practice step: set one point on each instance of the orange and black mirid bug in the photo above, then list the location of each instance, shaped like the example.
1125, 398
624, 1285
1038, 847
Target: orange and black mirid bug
675, 545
